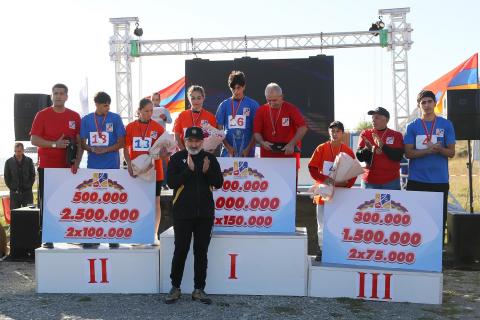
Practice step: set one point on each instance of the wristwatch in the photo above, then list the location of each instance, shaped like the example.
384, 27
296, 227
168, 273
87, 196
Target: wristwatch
54, 145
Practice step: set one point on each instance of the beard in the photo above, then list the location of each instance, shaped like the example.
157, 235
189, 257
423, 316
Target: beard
193, 151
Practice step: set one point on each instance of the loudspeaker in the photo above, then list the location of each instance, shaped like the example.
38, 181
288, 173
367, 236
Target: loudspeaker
463, 237
24, 233
26, 106
463, 109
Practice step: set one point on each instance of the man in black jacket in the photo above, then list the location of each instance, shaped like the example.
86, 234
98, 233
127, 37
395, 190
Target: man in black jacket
191, 174
19, 174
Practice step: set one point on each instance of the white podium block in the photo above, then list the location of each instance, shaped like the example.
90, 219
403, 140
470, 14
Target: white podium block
71, 269
334, 281
249, 264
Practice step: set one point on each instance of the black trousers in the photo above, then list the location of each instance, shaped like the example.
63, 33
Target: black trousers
201, 228
435, 187
40, 194
21, 199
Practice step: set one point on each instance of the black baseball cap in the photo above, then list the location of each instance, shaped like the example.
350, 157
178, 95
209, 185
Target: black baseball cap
194, 132
381, 111
336, 124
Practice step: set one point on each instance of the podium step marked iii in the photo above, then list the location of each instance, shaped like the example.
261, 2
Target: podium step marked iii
333, 281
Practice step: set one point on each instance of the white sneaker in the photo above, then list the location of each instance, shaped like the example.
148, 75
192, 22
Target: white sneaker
156, 241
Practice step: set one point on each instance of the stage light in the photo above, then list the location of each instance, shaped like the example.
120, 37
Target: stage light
379, 25
374, 27
138, 31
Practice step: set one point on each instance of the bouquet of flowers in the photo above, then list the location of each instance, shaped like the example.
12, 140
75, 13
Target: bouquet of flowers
212, 137
344, 168
164, 146
143, 167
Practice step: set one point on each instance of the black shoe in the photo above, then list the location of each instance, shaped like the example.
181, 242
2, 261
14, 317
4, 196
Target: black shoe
90, 245
200, 295
48, 245
114, 245
319, 256
174, 294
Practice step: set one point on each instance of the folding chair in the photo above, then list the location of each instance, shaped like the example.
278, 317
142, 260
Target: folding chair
6, 208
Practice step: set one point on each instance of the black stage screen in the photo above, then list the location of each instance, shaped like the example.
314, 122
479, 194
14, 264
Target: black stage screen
307, 83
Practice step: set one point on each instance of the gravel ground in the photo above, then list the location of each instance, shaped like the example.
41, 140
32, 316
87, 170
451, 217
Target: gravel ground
18, 300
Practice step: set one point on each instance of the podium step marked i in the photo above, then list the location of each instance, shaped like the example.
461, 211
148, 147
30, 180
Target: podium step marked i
249, 264
71, 269
333, 281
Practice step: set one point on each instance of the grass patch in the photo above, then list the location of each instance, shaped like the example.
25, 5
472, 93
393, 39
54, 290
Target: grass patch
223, 304
354, 305
285, 310
84, 299
459, 178
335, 315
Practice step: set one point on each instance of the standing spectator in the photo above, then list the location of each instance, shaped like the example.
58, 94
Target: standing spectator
196, 116
160, 114
320, 165
53, 130
429, 142
19, 175
191, 174
235, 115
278, 126
102, 134
382, 149
140, 136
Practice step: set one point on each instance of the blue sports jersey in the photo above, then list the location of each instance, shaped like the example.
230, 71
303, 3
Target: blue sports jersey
432, 168
238, 129
111, 129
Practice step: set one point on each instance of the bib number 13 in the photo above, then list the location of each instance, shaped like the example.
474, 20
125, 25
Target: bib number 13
140, 144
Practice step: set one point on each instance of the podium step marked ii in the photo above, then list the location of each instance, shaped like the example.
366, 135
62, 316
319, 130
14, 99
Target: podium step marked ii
333, 281
71, 269
250, 264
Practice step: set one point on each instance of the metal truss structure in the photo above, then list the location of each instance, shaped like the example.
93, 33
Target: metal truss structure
120, 53
124, 48
399, 42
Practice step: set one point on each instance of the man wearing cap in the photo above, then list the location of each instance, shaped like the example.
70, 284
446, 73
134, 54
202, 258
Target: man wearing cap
429, 142
382, 149
319, 166
191, 174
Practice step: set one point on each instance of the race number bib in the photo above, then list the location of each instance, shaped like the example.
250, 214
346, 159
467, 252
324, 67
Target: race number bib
421, 141
237, 123
140, 144
99, 139
327, 167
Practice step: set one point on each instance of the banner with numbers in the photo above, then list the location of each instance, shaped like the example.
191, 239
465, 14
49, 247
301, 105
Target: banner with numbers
258, 195
97, 206
384, 228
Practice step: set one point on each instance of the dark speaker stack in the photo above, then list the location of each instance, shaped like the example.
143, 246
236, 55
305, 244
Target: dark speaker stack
26, 106
463, 109
24, 233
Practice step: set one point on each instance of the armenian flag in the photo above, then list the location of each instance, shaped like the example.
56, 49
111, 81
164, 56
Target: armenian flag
173, 96
464, 76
